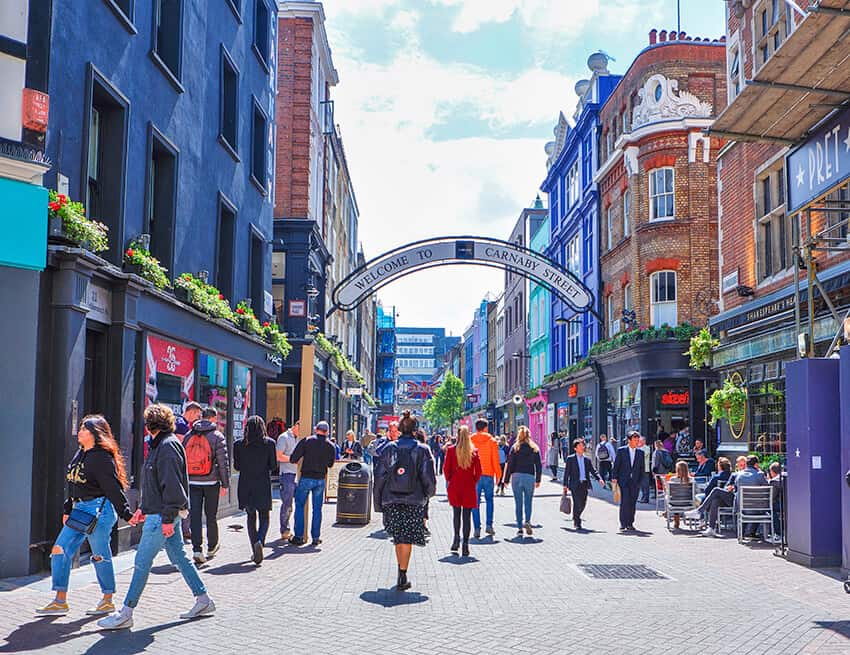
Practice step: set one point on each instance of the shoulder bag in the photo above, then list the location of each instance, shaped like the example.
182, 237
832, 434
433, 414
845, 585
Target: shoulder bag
83, 521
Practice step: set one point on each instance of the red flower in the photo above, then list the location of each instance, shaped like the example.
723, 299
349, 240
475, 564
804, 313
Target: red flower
130, 252
62, 198
266, 324
239, 310
221, 296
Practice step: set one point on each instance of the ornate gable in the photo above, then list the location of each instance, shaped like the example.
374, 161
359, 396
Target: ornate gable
660, 99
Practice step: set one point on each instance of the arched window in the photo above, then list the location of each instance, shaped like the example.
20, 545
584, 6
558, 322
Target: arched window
662, 287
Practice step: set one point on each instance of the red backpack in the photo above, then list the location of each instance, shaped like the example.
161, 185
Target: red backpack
199, 455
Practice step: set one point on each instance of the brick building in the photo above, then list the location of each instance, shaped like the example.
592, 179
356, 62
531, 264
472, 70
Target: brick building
773, 108
658, 229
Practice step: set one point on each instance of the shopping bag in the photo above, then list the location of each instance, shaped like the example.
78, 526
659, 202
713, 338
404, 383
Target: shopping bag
617, 494
566, 504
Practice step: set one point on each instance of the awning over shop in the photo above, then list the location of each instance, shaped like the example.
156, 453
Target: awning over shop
806, 79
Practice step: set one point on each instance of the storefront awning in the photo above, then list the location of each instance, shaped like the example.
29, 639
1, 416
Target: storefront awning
806, 79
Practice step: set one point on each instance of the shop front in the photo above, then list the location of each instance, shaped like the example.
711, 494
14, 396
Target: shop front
537, 421
115, 346
573, 404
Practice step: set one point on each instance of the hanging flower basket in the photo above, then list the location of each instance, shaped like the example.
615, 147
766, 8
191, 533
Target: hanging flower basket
67, 224
139, 261
728, 403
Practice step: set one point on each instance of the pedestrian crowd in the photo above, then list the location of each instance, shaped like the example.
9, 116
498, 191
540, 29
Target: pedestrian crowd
187, 470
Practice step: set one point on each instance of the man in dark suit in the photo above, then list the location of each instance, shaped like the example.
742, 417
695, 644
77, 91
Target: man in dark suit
705, 465
578, 471
629, 469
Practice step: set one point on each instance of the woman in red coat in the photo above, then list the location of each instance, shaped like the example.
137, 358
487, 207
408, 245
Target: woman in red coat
462, 469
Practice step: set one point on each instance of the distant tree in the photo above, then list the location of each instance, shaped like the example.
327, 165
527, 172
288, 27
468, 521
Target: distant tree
446, 405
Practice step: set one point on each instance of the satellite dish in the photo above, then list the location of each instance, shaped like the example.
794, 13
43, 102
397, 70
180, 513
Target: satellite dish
517, 399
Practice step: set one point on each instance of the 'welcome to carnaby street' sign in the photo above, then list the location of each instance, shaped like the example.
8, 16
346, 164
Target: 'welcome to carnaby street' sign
820, 163
459, 250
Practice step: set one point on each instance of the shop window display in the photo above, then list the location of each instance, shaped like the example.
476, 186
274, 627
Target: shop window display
241, 399
212, 385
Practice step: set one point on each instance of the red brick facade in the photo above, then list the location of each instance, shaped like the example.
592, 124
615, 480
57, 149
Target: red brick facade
292, 116
688, 243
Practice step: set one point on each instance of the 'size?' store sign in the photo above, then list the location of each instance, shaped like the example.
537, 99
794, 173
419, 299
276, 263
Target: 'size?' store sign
820, 163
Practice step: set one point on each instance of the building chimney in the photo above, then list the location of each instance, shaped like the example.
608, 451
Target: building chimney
662, 36
653, 36
672, 35
683, 37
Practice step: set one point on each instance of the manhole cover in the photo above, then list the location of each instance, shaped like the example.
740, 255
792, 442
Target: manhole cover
620, 572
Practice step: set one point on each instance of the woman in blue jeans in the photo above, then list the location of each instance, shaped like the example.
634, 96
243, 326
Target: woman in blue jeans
524, 470
96, 481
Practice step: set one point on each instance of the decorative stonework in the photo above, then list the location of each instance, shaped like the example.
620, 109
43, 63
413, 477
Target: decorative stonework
660, 99
630, 160
553, 148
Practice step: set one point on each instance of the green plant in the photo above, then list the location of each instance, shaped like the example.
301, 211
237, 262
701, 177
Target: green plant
369, 400
204, 297
340, 360
151, 269
766, 460
729, 402
77, 227
701, 345
681, 332
532, 393
243, 316
277, 338
446, 405
564, 373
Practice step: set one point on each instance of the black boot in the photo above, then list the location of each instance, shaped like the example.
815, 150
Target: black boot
456, 544
465, 551
403, 582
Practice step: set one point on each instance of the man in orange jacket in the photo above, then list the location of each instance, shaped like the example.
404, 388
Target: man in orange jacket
491, 472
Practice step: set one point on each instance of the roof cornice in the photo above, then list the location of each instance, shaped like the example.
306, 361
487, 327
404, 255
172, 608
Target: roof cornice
316, 12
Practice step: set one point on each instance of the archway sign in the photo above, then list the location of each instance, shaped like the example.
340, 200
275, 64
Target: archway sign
443, 251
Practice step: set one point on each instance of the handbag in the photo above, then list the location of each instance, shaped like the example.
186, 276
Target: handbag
83, 521
566, 504
617, 494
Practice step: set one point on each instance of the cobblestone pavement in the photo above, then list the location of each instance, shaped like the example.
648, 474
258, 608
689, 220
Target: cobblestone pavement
512, 596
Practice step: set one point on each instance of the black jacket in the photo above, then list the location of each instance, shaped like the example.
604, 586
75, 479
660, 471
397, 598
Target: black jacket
524, 460
165, 480
426, 475
572, 474
92, 474
624, 472
255, 461
221, 462
356, 450
318, 454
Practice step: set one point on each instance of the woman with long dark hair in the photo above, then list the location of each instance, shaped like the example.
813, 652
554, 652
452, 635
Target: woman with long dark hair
406, 480
462, 471
96, 481
255, 458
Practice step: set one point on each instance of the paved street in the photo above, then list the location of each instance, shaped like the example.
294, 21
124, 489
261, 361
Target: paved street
513, 596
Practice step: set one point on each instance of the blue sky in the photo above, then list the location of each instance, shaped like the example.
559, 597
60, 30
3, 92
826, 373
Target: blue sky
445, 107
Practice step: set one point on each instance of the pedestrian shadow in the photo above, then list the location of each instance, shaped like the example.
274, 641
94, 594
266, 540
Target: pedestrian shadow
130, 642
233, 567
378, 534
458, 560
393, 598
43, 633
516, 527
524, 540
839, 627
164, 569
485, 541
582, 530
636, 533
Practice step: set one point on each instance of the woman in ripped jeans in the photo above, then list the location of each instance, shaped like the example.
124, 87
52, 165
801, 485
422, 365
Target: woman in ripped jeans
96, 481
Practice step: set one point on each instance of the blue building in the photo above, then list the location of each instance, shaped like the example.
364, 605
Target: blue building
420, 353
385, 366
574, 239
161, 125
574, 212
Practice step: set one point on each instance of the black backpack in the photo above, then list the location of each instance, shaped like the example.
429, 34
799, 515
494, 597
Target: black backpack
602, 453
402, 477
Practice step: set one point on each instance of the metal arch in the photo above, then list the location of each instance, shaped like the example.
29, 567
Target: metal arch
452, 241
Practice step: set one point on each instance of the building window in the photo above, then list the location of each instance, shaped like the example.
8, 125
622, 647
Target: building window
610, 317
123, 10
225, 252
627, 297
609, 144
587, 159
773, 238
661, 195
609, 227
161, 198
259, 132
229, 102
257, 267
573, 341
734, 73
167, 36
236, 8
625, 121
663, 298
627, 208
104, 182
573, 184
261, 31
573, 256
837, 220
773, 25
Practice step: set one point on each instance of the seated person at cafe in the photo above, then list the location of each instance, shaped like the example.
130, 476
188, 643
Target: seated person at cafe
719, 479
749, 476
683, 476
774, 473
705, 465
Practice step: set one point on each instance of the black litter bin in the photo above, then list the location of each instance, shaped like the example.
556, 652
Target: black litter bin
354, 495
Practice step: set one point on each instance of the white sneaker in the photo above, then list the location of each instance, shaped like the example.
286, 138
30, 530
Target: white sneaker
692, 514
200, 608
709, 532
117, 621
198, 556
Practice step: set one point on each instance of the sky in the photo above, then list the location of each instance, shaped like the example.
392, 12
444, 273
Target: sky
445, 107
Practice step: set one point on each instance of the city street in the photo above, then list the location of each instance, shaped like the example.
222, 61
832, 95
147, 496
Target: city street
511, 596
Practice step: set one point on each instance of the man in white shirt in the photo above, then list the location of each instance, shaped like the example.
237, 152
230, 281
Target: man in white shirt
286, 443
647, 462
629, 470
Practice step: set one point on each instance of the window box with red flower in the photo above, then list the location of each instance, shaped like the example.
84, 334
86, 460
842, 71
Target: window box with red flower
67, 223
202, 296
274, 336
245, 319
139, 261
